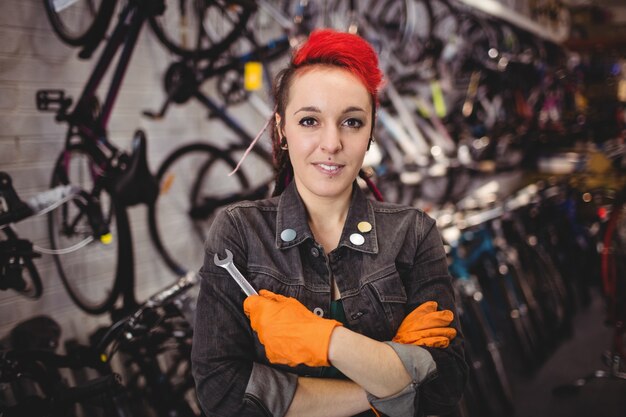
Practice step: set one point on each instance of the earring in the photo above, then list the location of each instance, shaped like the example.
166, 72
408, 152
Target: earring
282, 140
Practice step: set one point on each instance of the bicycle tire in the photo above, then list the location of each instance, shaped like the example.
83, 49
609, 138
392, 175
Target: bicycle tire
492, 391
489, 391
520, 326
79, 22
406, 25
94, 294
533, 346
199, 170
232, 17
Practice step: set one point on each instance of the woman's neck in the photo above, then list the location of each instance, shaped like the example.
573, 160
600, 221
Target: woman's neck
327, 216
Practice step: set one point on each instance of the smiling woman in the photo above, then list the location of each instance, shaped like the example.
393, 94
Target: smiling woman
327, 128
355, 312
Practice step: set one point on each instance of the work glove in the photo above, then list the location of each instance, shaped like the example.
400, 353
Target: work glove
291, 334
425, 326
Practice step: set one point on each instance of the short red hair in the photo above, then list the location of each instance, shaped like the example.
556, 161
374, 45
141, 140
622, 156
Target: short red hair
345, 50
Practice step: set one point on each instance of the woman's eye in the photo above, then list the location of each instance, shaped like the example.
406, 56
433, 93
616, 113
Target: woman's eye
308, 122
353, 123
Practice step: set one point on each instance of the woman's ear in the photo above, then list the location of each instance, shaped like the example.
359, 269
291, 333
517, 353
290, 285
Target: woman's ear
279, 130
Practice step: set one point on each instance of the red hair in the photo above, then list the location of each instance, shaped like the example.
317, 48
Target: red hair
345, 50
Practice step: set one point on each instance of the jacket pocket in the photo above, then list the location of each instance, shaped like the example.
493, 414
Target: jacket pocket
262, 277
387, 292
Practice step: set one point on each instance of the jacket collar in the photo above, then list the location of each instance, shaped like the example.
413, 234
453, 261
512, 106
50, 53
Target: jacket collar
292, 215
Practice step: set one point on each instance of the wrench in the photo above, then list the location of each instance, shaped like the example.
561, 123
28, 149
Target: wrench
227, 264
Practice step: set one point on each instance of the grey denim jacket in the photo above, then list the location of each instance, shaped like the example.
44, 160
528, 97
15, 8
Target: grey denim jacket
400, 265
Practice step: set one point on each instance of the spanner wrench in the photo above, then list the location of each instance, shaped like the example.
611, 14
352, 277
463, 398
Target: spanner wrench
227, 264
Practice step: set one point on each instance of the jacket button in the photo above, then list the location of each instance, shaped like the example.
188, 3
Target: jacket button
315, 252
318, 312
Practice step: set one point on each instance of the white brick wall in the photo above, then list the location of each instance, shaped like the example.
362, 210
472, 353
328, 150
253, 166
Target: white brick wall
32, 58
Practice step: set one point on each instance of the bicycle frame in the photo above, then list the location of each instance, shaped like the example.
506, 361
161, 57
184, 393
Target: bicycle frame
122, 175
124, 35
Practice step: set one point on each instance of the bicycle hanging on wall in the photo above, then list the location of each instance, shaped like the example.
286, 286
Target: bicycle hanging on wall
116, 178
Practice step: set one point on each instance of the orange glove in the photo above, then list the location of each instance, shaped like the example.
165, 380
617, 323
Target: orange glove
425, 326
291, 334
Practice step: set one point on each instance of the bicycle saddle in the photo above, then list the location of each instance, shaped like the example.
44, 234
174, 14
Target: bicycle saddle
136, 183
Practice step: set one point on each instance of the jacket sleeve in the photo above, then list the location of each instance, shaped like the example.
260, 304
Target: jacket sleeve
429, 279
223, 351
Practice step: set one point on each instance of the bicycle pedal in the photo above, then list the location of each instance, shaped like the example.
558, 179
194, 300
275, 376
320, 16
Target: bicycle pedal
52, 100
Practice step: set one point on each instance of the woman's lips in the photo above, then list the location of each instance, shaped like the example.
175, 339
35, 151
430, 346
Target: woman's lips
328, 168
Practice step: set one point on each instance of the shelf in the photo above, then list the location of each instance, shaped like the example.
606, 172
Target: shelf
500, 11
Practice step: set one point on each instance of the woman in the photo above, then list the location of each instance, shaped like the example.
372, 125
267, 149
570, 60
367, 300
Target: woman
355, 307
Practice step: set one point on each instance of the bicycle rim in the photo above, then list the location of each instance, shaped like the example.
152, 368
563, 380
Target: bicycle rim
200, 29
199, 169
88, 274
517, 313
78, 21
488, 384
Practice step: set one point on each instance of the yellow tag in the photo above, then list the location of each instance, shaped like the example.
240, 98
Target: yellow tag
253, 76
103, 358
438, 101
106, 239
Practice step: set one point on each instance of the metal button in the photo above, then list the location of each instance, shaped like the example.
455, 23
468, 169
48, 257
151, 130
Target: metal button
315, 252
357, 239
288, 235
318, 312
364, 227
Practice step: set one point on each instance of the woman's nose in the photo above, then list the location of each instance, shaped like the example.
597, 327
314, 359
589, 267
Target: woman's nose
331, 140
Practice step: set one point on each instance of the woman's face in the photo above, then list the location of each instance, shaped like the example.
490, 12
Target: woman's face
327, 127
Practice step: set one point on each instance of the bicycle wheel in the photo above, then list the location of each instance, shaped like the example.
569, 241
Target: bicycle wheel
78, 21
194, 184
201, 29
488, 366
514, 309
89, 274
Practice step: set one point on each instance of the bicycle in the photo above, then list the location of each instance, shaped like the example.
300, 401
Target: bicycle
112, 176
153, 346
193, 177
17, 269
485, 340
